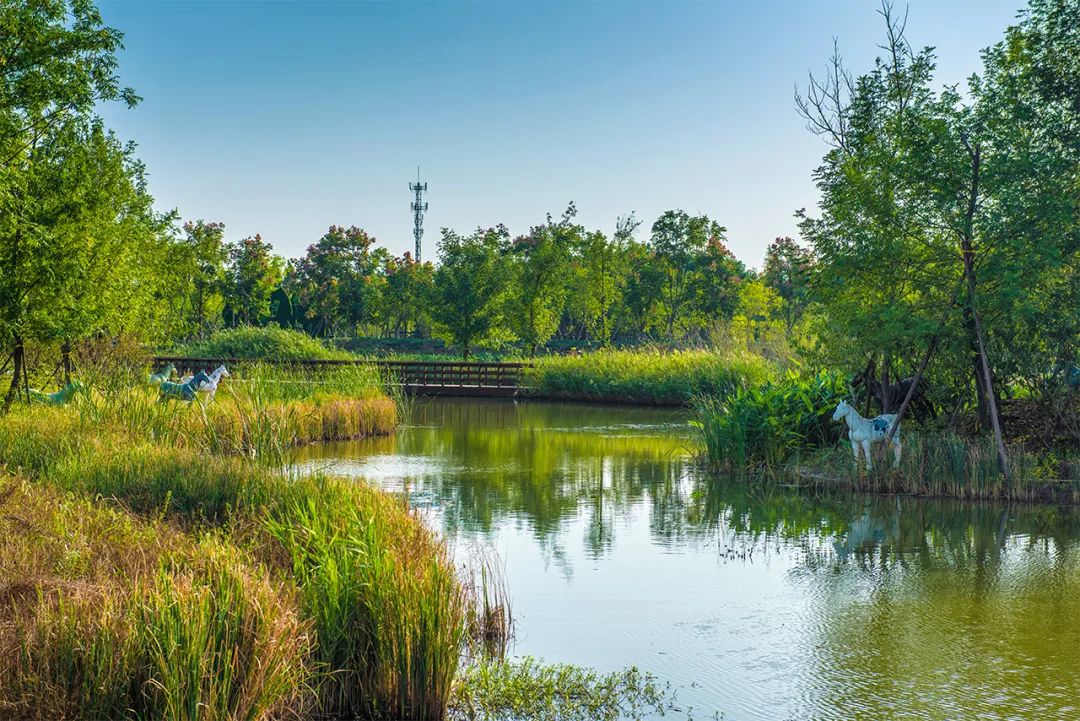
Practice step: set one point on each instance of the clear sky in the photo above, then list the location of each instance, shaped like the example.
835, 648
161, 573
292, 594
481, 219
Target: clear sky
282, 118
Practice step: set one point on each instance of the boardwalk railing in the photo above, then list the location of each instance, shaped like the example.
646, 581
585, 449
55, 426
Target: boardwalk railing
419, 377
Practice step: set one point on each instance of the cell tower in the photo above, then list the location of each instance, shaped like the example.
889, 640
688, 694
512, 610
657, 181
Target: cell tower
419, 207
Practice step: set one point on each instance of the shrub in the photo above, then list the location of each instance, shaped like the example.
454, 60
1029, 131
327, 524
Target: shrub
764, 426
260, 343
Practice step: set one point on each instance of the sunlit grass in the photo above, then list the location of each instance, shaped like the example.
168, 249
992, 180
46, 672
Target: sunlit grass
672, 378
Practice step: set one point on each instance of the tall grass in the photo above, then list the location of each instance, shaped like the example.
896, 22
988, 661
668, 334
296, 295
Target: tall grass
104, 616
784, 430
390, 618
389, 612
665, 378
944, 465
760, 428
261, 412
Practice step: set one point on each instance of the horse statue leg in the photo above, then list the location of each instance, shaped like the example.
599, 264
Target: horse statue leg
855, 450
896, 450
869, 456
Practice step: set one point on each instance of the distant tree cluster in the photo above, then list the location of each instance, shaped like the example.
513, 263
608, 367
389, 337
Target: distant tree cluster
558, 280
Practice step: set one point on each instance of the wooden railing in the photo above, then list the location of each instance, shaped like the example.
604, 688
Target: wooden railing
420, 377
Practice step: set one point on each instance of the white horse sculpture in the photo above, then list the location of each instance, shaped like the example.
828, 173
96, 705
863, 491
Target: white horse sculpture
867, 431
210, 387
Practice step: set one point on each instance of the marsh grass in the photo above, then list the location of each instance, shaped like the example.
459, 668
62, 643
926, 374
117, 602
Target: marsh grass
200, 585
108, 616
389, 611
390, 617
262, 412
760, 428
641, 376
945, 465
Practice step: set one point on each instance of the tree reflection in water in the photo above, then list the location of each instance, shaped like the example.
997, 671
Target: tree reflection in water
934, 608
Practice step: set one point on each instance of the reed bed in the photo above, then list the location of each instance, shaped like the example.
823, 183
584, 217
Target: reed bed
108, 616
261, 412
760, 428
649, 377
384, 613
945, 465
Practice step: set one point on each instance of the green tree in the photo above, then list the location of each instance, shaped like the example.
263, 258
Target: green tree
678, 241
787, 271
470, 285
540, 267
718, 277
59, 63
253, 273
204, 250
406, 292
335, 279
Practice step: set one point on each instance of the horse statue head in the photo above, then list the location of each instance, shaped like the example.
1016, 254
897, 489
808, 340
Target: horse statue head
842, 409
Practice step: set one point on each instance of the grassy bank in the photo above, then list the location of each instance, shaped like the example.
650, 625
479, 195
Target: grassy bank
147, 573
648, 377
783, 430
258, 411
379, 616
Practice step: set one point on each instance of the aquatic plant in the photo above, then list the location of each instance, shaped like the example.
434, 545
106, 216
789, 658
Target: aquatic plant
761, 427
530, 689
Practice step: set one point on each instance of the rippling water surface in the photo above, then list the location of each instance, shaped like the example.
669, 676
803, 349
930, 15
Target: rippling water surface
753, 605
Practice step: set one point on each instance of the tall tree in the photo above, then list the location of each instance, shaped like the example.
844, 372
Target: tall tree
59, 63
470, 285
540, 269
205, 252
254, 272
335, 279
678, 241
787, 271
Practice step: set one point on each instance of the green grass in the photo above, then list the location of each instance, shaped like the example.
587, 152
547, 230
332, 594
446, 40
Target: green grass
652, 377
105, 616
783, 430
377, 612
260, 343
260, 411
945, 465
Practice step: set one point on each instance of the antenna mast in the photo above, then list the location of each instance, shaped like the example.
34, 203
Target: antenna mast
419, 207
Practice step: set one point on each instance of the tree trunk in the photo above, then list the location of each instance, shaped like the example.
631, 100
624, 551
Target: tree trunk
868, 380
18, 361
982, 408
65, 359
911, 389
982, 371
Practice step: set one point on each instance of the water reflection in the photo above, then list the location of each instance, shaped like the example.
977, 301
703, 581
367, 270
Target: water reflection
758, 604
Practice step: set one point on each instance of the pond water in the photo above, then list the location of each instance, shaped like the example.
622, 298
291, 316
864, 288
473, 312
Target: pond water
618, 551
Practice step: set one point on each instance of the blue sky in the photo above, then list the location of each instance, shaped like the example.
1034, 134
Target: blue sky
282, 118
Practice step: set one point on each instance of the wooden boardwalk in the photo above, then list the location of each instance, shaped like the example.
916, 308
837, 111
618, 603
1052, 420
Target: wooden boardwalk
429, 378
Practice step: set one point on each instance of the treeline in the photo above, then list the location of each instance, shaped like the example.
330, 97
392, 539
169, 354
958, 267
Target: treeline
558, 280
